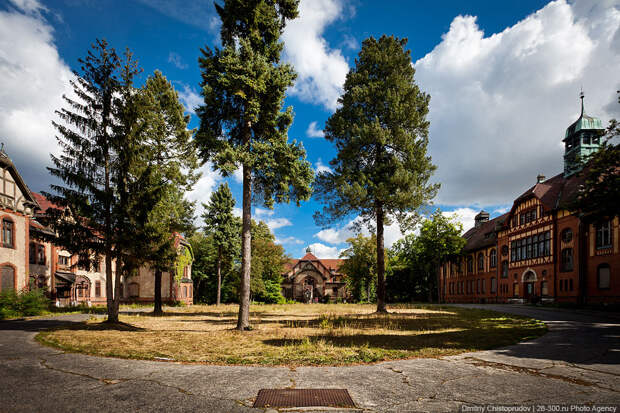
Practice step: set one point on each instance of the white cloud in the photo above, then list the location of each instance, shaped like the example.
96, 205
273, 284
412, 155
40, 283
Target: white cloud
261, 212
321, 69
350, 42
204, 188
323, 251
190, 99
465, 216
313, 131
502, 210
289, 241
501, 103
238, 212
33, 79
391, 233
238, 175
275, 223
320, 167
176, 60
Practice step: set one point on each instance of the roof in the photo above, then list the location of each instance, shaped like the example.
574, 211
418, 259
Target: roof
43, 202
324, 266
485, 235
554, 192
7, 163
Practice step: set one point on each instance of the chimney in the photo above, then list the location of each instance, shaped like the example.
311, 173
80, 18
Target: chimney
540, 178
481, 218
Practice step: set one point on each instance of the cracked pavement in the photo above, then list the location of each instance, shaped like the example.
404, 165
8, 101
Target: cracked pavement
576, 362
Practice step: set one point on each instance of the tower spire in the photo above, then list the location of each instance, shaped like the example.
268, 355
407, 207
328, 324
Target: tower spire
581, 95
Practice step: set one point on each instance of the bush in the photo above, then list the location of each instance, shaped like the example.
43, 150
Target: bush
271, 295
25, 303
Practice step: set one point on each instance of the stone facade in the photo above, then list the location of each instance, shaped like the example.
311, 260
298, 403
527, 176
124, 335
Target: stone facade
311, 279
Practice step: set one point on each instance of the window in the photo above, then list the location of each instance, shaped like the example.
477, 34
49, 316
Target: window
567, 260
493, 258
567, 235
603, 275
97, 288
544, 289
603, 235
504, 250
505, 269
483, 285
32, 256
531, 247
527, 217
7, 234
470, 264
478, 286
41, 254
515, 289
570, 284
7, 278
481, 262
184, 291
63, 260
493, 285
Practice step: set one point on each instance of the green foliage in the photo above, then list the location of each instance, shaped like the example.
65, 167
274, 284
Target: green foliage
270, 294
381, 134
268, 259
25, 303
183, 259
219, 219
416, 258
360, 267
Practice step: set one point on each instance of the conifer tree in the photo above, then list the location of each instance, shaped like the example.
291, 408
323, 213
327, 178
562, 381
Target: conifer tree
97, 135
381, 134
171, 155
242, 122
222, 225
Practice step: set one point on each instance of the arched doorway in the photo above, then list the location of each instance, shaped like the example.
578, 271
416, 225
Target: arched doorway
7, 278
529, 284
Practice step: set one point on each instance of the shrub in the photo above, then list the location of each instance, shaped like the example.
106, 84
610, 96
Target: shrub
271, 295
25, 303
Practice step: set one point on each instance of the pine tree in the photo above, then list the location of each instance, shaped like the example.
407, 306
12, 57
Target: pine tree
381, 134
242, 122
171, 155
221, 223
101, 201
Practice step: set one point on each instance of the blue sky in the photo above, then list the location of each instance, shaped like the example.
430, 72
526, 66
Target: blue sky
504, 79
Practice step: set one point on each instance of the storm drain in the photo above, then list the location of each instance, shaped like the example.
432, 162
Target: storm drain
303, 398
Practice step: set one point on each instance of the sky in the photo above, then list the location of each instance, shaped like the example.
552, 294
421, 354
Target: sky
504, 79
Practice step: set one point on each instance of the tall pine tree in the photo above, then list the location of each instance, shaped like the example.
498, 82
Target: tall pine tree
102, 201
242, 122
222, 225
171, 155
381, 134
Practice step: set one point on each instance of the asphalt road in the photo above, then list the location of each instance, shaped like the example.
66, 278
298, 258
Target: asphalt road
577, 362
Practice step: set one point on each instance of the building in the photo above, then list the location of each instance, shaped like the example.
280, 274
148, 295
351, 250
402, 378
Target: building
539, 250
26, 261
310, 279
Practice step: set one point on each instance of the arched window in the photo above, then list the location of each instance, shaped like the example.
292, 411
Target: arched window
493, 258
544, 288
470, 264
8, 233
567, 235
493, 285
603, 276
184, 291
567, 259
7, 278
481, 262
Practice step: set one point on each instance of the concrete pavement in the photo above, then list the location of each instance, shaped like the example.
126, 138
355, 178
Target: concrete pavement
577, 362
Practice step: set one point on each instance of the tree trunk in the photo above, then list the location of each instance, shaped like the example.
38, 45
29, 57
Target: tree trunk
117, 288
243, 321
109, 289
158, 310
380, 262
219, 275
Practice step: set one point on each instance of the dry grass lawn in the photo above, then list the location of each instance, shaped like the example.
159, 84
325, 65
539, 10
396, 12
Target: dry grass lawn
297, 334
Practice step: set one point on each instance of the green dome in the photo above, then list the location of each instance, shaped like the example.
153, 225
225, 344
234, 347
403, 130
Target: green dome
584, 122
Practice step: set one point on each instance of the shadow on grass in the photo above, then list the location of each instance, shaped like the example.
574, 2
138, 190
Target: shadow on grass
470, 339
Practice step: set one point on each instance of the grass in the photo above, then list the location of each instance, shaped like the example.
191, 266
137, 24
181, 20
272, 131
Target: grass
297, 334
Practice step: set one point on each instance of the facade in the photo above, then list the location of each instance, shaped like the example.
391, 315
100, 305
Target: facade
539, 250
27, 262
311, 279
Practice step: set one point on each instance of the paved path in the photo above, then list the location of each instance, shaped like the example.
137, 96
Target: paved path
578, 361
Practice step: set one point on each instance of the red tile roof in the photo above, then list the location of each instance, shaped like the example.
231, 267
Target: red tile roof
43, 202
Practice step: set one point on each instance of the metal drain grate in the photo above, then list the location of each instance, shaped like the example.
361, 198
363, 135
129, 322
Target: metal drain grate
303, 398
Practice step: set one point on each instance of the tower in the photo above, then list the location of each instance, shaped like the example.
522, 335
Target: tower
582, 138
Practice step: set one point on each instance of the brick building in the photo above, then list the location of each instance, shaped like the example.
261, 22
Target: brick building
28, 262
539, 250
313, 279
